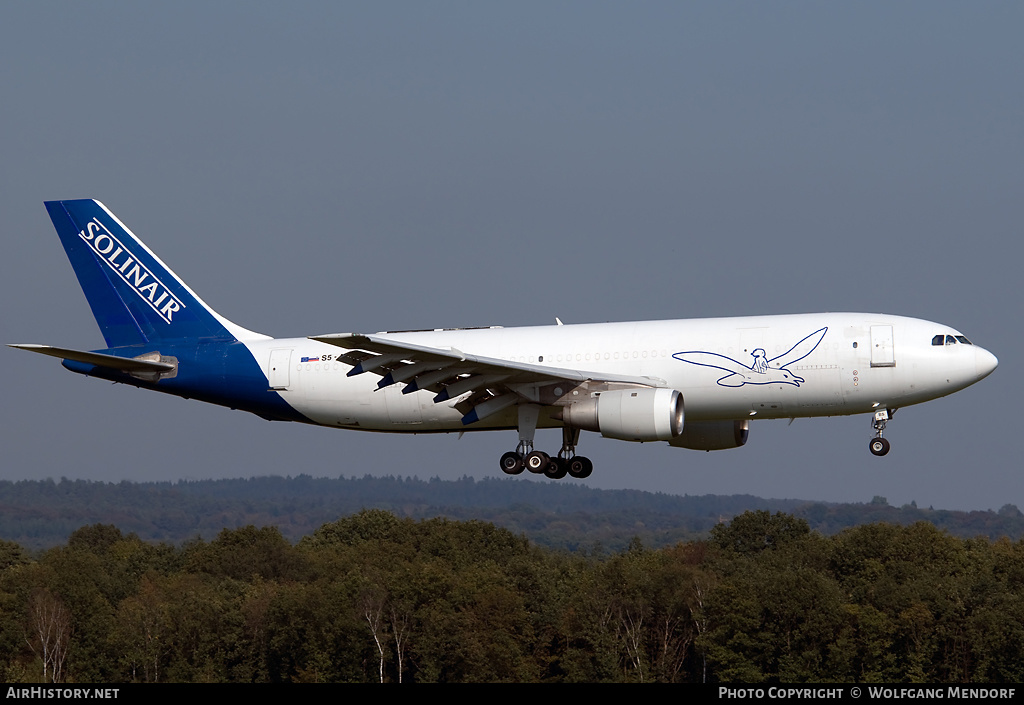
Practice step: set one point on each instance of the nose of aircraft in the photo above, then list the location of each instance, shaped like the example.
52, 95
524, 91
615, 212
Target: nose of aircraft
984, 362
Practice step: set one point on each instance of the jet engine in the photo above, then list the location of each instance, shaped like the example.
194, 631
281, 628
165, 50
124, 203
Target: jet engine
712, 435
629, 414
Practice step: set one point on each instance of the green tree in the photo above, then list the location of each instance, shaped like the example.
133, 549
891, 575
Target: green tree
752, 532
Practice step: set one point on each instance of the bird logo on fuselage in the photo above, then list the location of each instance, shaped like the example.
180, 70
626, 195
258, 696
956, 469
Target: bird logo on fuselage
761, 370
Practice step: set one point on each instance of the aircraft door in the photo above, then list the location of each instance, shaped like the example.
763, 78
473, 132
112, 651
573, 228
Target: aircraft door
882, 352
279, 373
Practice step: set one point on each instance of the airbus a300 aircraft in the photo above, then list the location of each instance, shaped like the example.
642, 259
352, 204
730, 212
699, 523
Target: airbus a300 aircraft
692, 383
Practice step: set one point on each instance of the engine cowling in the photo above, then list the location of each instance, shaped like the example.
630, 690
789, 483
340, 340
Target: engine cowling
712, 435
629, 414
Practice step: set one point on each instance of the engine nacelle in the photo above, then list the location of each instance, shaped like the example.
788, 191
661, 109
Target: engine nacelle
629, 414
712, 435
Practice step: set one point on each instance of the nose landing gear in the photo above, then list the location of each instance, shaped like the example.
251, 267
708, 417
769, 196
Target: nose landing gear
880, 446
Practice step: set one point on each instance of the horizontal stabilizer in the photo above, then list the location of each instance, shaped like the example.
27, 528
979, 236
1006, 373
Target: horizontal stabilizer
126, 364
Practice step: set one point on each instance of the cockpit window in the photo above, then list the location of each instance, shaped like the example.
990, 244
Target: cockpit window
942, 339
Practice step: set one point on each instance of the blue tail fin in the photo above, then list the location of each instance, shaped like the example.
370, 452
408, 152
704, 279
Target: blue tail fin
135, 297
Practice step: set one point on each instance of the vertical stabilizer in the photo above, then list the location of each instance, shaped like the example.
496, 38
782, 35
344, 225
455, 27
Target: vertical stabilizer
134, 296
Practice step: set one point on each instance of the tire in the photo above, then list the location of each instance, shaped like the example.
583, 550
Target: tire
537, 461
556, 469
512, 463
879, 446
580, 467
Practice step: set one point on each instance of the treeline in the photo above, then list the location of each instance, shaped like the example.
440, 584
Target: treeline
374, 597
42, 513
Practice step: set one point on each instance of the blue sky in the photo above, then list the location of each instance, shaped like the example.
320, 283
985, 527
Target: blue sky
327, 167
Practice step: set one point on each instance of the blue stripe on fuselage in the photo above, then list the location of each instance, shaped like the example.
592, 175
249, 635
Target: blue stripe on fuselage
215, 371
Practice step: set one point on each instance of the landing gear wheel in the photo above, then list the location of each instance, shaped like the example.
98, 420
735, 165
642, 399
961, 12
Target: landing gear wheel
580, 467
879, 446
537, 461
556, 469
512, 463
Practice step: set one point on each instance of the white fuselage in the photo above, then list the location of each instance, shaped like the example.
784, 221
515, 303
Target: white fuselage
726, 368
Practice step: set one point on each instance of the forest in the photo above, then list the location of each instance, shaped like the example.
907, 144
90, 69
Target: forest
40, 514
374, 597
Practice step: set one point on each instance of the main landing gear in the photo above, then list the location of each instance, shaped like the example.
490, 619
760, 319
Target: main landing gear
880, 446
537, 461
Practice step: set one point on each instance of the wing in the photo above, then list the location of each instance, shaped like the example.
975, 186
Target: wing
487, 384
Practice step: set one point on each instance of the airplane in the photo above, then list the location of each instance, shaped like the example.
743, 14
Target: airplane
693, 383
